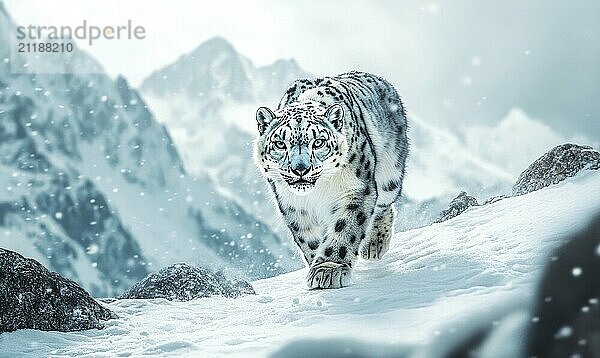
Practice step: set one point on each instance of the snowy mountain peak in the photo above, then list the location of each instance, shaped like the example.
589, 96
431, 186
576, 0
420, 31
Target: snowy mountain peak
515, 141
284, 66
213, 47
215, 65
215, 72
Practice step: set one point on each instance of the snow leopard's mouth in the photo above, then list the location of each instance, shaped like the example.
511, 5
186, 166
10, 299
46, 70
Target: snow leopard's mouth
301, 184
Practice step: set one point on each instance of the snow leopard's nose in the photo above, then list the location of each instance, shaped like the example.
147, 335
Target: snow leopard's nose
299, 160
300, 169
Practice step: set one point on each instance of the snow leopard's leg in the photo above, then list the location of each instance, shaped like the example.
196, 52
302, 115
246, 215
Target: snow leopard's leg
338, 253
378, 240
306, 231
304, 227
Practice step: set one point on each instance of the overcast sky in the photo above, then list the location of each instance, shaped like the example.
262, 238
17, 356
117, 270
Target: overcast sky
453, 62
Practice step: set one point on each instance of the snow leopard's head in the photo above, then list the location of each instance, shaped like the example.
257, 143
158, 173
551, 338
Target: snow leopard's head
300, 143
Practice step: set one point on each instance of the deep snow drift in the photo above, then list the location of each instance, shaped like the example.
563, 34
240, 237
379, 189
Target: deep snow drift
432, 283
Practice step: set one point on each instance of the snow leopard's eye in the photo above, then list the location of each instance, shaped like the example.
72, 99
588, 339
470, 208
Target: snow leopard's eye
318, 143
279, 144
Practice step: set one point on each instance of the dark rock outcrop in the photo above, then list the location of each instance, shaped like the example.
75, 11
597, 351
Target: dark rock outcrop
33, 297
183, 282
559, 163
457, 206
495, 199
567, 305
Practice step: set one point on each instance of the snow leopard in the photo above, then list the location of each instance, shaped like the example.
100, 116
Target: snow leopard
333, 154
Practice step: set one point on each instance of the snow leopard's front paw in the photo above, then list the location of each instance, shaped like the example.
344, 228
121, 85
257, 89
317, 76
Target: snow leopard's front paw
375, 248
328, 274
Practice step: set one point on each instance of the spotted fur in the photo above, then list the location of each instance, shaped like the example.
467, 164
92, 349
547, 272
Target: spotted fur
334, 154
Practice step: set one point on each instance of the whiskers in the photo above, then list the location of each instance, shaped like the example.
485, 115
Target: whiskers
306, 179
288, 178
271, 172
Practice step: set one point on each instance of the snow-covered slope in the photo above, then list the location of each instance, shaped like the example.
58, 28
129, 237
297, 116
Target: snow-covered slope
432, 283
92, 186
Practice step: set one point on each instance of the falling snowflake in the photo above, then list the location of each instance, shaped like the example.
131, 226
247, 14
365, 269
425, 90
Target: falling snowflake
92, 249
564, 332
475, 60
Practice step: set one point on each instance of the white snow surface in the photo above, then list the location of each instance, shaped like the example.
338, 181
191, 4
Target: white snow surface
434, 281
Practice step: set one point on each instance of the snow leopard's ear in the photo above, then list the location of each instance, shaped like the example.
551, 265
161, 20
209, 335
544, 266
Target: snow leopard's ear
335, 116
264, 117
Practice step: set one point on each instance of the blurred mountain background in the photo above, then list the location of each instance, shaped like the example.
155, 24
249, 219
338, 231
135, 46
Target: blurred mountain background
92, 186
456, 64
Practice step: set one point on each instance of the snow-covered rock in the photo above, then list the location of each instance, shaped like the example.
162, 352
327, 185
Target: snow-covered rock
516, 140
182, 282
495, 198
436, 285
559, 163
457, 206
556, 165
33, 297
